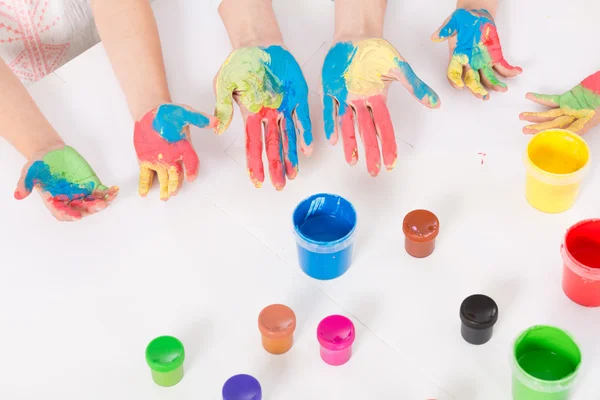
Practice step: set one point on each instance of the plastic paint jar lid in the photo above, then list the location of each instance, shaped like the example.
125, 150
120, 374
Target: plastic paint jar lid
479, 312
336, 332
324, 204
577, 235
421, 226
242, 387
165, 354
553, 136
277, 321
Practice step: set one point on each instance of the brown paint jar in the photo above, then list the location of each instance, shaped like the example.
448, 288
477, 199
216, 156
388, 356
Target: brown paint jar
277, 324
420, 228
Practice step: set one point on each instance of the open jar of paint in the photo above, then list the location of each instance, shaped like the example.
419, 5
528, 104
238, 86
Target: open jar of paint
336, 335
581, 263
556, 163
545, 364
324, 225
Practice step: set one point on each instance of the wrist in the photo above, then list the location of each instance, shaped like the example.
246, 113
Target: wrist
489, 5
43, 145
250, 23
149, 103
359, 19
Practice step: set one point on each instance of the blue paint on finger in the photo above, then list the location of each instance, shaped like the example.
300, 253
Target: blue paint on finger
420, 89
171, 119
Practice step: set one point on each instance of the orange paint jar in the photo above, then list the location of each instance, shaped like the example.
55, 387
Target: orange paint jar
277, 324
420, 228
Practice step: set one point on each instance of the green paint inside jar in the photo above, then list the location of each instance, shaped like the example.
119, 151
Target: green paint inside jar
546, 361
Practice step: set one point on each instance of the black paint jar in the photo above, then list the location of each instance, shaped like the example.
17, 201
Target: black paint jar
478, 314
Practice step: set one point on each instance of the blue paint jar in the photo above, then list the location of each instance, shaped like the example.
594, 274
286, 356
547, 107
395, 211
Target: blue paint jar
324, 225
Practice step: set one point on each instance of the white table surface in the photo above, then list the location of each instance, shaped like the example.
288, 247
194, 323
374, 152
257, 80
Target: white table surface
81, 301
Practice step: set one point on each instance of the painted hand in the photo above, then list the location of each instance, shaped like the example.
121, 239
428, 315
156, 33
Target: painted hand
475, 52
69, 186
269, 87
577, 110
355, 80
162, 143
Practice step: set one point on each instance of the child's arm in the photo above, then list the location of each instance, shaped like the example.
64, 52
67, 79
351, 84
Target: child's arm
130, 37
475, 52
66, 182
23, 124
490, 5
161, 136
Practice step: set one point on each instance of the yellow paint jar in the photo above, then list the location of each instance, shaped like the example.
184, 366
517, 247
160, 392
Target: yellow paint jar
556, 162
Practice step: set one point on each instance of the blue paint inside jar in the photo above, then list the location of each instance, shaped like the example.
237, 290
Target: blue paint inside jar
324, 226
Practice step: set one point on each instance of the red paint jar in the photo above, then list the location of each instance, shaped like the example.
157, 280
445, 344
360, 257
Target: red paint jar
581, 258
420, 228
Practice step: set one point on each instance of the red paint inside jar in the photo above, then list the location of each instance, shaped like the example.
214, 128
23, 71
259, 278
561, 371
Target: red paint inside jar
581, 255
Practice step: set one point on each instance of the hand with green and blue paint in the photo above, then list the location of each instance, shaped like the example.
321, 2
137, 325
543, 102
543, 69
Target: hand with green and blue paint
69, 186
271, 92
475, 52
355, 78
577, 110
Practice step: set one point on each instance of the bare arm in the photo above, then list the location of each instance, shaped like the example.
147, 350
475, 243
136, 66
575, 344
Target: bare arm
359, 19
48, 159
23, 124
490, 5
130, 36
256, 25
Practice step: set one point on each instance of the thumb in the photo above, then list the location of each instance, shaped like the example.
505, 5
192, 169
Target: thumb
223, 113
198, 118
25, 184
224, 107
448, 29
415, 86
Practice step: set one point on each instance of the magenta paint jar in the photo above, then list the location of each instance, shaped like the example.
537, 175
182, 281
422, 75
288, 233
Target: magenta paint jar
336, 335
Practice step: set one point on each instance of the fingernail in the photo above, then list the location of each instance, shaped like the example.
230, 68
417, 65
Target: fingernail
18, 195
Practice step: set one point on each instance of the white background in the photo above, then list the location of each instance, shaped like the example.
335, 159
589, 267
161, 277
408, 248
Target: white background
79, 302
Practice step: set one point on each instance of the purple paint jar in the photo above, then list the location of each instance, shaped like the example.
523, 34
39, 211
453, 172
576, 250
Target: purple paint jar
242, 387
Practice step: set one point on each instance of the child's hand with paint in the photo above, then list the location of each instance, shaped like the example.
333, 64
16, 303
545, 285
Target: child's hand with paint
475, 51
162, 143
356, 75
269, 88
69, 186
577, 110
267, 83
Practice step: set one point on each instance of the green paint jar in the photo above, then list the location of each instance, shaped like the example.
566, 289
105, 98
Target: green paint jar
165, 356
545, 363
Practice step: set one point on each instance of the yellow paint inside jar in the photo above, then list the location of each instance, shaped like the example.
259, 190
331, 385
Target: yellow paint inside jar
556, 163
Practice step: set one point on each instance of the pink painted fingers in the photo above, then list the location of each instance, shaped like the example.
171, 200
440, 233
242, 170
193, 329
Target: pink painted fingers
355, 79
268, 85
